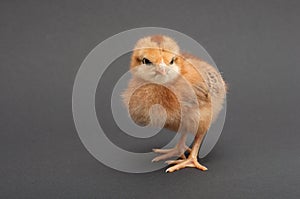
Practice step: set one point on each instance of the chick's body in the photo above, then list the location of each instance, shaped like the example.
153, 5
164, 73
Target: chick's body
190, 91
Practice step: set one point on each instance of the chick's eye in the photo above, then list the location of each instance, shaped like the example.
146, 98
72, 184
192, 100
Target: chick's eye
146, 61
172, 61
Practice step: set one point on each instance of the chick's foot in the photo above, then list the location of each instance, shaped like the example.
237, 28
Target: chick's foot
180, 164
177, 151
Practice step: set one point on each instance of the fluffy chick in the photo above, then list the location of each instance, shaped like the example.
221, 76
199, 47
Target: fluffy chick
190, 90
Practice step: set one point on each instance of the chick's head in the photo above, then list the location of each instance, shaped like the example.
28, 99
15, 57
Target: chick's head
156, 59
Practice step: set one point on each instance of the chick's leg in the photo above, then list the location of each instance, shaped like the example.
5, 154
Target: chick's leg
177, 151
191, 161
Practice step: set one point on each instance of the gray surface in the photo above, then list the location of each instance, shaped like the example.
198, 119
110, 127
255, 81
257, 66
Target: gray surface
255, 44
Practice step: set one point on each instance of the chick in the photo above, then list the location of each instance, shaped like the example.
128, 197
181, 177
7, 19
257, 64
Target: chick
190, 91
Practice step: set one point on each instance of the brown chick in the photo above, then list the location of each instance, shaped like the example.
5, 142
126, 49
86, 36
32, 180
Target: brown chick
190, 90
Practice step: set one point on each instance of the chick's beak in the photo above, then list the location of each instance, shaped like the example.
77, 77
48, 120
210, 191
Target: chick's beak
161, 68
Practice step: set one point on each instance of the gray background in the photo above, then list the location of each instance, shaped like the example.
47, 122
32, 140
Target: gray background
255, 44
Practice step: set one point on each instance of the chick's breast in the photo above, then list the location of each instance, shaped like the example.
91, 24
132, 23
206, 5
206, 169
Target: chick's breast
139, 98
